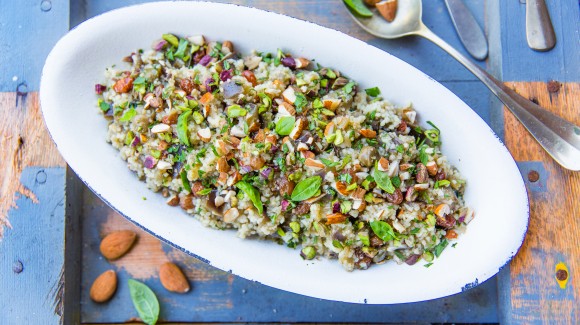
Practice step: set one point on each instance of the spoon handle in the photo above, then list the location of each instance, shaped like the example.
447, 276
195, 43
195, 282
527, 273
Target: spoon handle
560, 138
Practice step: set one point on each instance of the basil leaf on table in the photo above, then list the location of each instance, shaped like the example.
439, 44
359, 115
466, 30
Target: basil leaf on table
383, 230
145, 302
359, 8
306, 188
252, 193
182, 127
383, 181
285, 125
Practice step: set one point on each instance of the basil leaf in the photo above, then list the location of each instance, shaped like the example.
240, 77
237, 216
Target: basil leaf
104, 106
396, 181
252, 193
185, 181
128, 115
306, 188
300, 101
329, 163
383, 180
423, 156
373, 92
440, 247
145, 302
140, 81
383, 230
359, 8
205, 191
181, 48
285, 125
182, 127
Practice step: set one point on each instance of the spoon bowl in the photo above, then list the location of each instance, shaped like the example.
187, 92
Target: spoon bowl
559, 137
406, 22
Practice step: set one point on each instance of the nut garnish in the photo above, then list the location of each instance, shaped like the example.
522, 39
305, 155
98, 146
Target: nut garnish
431, 168
387, 9
367, 133
314, 164
204, 134
222, 165
160, 128
335, 218
231, 215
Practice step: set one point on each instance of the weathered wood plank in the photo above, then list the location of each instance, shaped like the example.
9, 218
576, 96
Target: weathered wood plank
533, 293
31, 258
522, 63
29, 29
24, 142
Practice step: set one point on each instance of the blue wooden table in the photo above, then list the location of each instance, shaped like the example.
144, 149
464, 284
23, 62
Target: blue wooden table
51, 224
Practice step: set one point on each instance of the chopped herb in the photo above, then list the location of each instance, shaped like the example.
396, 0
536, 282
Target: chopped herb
414, 231
383, 180
383, 230
252, 193
205, 191
428, 264
453, 245
300, 102
349, 87
337, 244
181, 48
306, 188
373, 92
399, 255
423, 156
317, 103
440, 247
400, 148
329, 163
182, 127
104, 106
347, 178
285, 125
185, 181
396, 181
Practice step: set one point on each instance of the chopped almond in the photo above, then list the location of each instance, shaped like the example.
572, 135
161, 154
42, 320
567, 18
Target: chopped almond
256, 162
329, 129
223, 148
254, 127
204, 134
314, 164
222, 165
162, 145
236, 177
170, 118
335, 218
235, 142
405, 166
160, 128
143, 138
442, 210
432, 168
206, 98
383, 164
451, 234
308, 154
358, 194
231, 215
289, 95
260, 136
270, 138
286, 109
223, 178
369, 134
302, 147
331, 103
206, 110
388, 9
421, 187
298, 127
341, 188
123, 85
301, 63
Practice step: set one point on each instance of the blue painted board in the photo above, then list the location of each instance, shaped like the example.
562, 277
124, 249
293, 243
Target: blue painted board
28, 31
32, 251
521, 63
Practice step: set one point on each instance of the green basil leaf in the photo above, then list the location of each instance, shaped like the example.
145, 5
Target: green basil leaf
383, 230
181, 48
383, 180
128, 115
145, 302
300, 101
329, 163
306, 188
185, 181
182, 127
423, 156
358, 8
205, 191
140, 81
104, 106
396, 181
252, 193
373, 92
285, 125
440, 247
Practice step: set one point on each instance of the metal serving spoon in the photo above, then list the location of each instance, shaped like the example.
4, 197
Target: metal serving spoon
560, 138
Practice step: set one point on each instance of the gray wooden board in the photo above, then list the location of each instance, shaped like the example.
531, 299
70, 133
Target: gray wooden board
32, 252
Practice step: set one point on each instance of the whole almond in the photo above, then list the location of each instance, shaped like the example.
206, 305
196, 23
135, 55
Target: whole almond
117, 244
104, 286
388, 9
172, 278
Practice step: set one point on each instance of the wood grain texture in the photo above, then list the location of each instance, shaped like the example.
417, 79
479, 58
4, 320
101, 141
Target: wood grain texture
24, 142
554, 230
